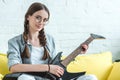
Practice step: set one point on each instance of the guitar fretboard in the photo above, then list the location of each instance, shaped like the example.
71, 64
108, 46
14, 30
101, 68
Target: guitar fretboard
76, 52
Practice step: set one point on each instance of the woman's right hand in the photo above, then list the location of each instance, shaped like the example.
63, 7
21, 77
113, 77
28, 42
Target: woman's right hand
56, 70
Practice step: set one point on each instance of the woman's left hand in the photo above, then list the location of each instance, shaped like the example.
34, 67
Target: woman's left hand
84, 48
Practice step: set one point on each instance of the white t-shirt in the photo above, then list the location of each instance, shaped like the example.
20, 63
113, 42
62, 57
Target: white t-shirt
37, 54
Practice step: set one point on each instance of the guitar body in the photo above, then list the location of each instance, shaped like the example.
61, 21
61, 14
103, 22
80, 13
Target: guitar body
66, 75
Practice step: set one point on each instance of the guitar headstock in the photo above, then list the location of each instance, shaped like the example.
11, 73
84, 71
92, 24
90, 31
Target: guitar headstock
95, 36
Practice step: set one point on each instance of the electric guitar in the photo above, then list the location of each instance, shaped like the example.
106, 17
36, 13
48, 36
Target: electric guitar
63, 63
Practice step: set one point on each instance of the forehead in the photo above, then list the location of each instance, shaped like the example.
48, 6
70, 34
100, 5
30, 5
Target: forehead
41, 13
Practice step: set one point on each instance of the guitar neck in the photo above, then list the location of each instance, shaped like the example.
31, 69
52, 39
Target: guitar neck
76, 52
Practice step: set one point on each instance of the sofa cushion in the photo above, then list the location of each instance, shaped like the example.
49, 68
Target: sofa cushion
97, 64
3, 64
115, 73
1, 76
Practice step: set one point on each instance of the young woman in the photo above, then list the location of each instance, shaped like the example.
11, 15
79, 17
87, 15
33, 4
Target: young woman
32, 50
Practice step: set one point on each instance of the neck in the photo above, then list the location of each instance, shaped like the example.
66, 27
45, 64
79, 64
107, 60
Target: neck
33, 39
33, 35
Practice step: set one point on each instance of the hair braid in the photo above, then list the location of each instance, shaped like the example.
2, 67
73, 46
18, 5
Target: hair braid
43, 42
25, 53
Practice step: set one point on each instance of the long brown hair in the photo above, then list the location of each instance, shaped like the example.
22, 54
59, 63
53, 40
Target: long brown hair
42, 38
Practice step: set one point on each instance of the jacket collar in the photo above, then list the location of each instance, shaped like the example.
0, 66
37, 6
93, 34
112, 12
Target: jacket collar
22, 39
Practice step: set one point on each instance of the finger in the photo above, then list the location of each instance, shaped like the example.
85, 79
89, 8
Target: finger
84, 47
61, 69
57, 74
60, 72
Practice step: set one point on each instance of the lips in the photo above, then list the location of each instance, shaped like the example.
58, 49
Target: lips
39, 26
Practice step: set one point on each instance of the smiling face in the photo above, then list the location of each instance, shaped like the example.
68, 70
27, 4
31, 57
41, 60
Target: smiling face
37, 20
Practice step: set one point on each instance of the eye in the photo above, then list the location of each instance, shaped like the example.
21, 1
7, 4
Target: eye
38, 17
45, 19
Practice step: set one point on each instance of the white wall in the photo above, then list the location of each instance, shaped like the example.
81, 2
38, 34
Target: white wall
71, 22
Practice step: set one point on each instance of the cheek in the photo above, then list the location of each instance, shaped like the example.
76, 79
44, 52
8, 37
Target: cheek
43, 25
31, 23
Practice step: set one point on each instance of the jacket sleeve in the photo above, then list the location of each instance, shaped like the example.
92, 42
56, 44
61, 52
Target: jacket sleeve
13, 53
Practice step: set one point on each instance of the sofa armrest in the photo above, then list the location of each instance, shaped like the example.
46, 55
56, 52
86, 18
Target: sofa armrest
115, 73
